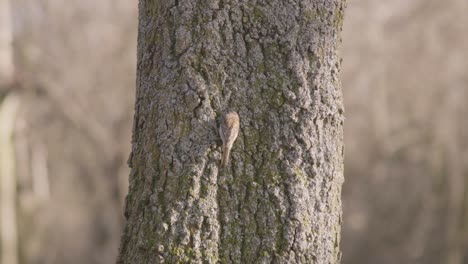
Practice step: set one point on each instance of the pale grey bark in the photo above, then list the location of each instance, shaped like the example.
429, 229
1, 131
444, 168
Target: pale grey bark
276, 64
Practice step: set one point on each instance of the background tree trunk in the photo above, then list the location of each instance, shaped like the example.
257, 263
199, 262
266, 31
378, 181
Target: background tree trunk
8, 109
6, 49
276, 64
8, 225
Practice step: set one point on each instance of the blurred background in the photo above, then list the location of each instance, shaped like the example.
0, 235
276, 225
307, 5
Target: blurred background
67, 85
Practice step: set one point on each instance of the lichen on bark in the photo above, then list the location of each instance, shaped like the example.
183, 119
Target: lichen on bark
276, 64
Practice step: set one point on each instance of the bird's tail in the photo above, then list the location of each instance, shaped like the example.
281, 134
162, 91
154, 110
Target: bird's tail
225, 158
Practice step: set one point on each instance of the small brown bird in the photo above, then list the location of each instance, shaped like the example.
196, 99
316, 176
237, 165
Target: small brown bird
228, 130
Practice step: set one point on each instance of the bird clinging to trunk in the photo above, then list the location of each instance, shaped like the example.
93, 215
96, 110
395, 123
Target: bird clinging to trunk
228, 130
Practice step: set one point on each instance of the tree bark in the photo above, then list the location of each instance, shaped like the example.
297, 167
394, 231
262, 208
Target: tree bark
278, 201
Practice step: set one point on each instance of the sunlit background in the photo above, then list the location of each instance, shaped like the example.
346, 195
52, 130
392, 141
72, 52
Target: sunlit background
67, 85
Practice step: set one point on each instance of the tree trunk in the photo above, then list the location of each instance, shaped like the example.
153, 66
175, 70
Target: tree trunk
6, 49
8, 185
278, 201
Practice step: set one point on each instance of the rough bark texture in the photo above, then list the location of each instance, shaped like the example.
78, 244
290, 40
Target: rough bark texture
276, 64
